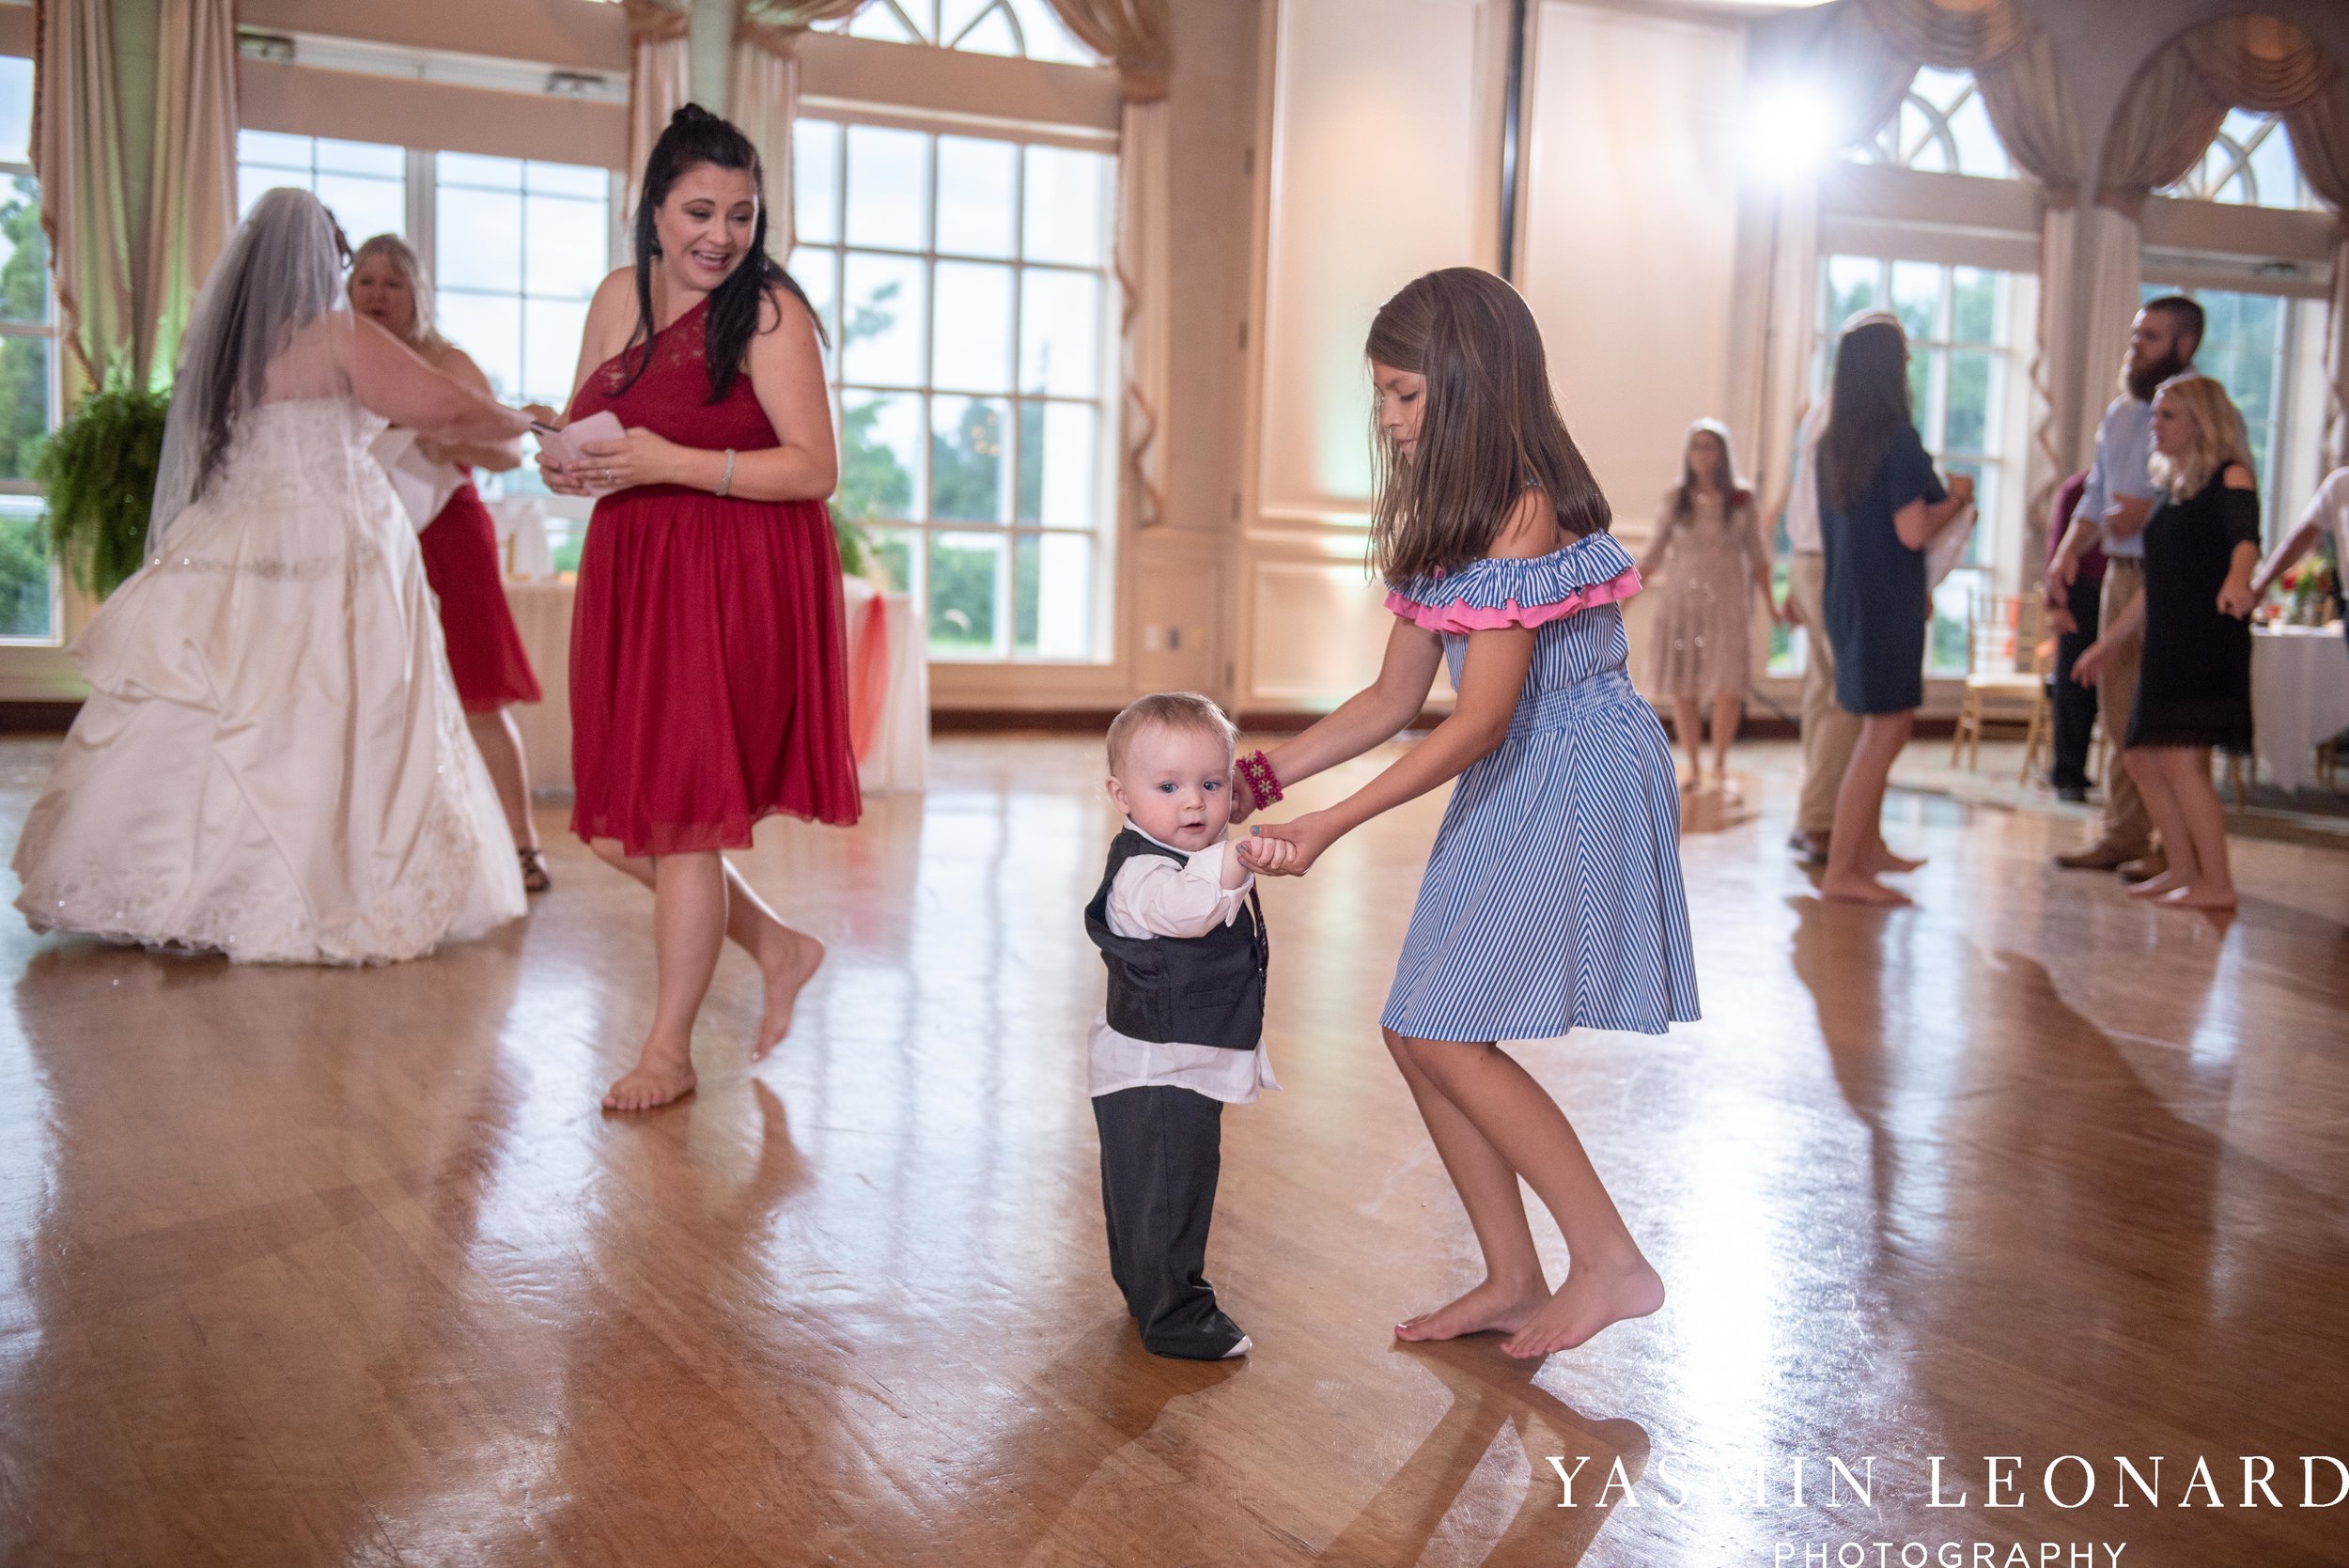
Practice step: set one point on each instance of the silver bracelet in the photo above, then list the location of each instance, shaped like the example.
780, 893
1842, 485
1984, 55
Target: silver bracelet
725, 480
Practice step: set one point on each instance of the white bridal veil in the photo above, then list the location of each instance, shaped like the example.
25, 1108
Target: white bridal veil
250, 342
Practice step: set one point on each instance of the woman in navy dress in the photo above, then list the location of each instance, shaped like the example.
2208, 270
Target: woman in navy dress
1552, 898
1880, 505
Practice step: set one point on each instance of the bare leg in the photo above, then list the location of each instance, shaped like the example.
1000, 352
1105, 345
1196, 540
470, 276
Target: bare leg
1726, 714
2149, 766
1513, 1287
500, 747
689, 926
1689, 722
2212, 884
1856, 851
786, 958
1608, 1280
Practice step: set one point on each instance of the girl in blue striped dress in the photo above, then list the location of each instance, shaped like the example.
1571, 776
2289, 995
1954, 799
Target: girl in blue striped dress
1552, 898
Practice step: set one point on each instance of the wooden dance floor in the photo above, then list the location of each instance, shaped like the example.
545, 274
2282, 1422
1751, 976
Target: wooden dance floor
315, 1268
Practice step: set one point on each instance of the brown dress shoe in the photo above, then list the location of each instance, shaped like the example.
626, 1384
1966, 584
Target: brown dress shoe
2096, 857
2145, 868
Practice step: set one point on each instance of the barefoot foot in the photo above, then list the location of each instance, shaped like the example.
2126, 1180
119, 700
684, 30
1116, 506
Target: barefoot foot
1490, 1307
2153, 887
1884, 860
655, 1080
1859, 888
2199, 895
790, 962
1588, 1300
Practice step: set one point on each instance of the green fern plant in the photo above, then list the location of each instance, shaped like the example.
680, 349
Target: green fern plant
98, 475
855, 546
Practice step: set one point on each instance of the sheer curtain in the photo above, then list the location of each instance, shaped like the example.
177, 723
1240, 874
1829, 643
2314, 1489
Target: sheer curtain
192, 205
659, 80
77, 151
763, 92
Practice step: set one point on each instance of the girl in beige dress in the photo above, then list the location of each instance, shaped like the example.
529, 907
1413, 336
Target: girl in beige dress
1708, 546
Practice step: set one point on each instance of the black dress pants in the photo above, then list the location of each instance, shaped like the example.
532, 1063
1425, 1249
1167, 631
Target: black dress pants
2074, 704
1161, 1151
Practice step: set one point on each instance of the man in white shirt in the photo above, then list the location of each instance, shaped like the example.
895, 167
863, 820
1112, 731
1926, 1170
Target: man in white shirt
2112, 514
1829, 733
2328, 513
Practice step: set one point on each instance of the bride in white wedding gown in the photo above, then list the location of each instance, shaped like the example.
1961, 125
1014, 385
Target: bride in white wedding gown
273, 763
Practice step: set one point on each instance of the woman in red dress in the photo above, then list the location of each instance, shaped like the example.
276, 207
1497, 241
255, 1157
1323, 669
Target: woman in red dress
461, 547
709, 668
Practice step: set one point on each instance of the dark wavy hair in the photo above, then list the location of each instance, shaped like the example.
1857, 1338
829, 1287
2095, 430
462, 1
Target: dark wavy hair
1489, 430
695, 136
1867, 404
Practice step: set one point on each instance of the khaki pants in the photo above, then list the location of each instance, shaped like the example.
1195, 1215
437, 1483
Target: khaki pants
2127, 826
1829, 733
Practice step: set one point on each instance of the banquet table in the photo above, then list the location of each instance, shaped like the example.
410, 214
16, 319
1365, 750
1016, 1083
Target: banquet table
2299, 698
889, 685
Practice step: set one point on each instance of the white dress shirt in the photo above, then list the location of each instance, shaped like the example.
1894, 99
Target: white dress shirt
2124, 447
1802, 496
2328, 509
1154, 896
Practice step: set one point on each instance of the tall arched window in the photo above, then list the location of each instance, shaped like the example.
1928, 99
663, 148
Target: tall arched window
1022, 29
2248, 165
1943, 127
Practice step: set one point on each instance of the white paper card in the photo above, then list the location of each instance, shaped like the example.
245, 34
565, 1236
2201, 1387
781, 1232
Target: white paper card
422, 485
1948, 548
566, 443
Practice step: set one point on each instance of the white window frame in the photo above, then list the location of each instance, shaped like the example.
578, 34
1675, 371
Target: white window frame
1106, 402
45, 331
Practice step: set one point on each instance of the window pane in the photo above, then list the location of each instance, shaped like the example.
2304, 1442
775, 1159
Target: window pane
1945, 644
1059, 456
815, 180
1974, 305
897, 553
1979, 149
16, 109
967, 459
1067, 193
881, 339
490, 328
990, 34
276, 151
1047, 39
23, 254
1921, 394
974, 322
1052, 593
1060, 333
465, 168
881, 454
364, 207
889, 179
27, 599
964, 572
23, 404
819, 273
479, 240
1853, 285
974, 196
568, 180
374, 158
1967, 422
1917, 298
551, 331
566, 245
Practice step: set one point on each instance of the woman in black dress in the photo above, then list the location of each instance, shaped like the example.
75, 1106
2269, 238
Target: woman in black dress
2194, 686
1880, 505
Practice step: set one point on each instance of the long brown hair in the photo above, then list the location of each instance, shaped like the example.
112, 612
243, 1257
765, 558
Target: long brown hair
1867, 405
1489, 428
1733, 493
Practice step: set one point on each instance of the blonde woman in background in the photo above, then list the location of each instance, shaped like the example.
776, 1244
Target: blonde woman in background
1701, 648
2194, 681
486, 656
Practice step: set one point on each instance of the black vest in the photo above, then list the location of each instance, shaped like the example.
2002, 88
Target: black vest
1198, 990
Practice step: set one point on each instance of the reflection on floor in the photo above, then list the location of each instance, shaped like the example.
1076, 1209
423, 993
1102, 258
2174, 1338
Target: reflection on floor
346, 1267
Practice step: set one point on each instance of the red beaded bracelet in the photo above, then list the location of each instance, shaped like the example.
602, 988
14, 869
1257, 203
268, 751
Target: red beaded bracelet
1262, 783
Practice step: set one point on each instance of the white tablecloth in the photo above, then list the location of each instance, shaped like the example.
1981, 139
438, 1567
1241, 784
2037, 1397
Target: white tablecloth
2299, 698
887, 659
